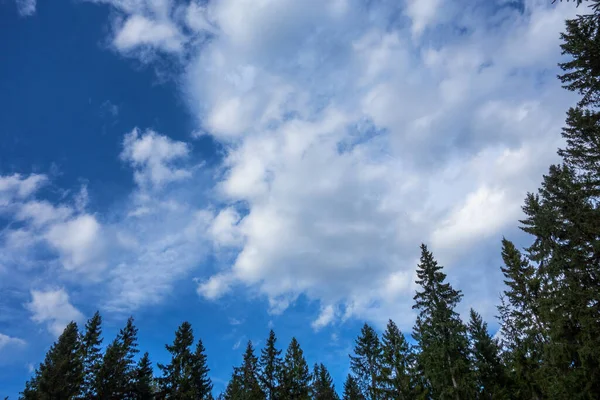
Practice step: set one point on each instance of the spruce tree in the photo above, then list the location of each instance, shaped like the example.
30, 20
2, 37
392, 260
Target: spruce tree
91, 354
270, 365
366, 363
397, 364
143, 379
352, 390
322, 384
440, 334
296, 376
248, 373
201, 383
489, 375
523, 333
115, 377
176, 380
60, 376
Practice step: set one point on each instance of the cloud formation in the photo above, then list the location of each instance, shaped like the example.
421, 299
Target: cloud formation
52, 308
6, 341
353, 131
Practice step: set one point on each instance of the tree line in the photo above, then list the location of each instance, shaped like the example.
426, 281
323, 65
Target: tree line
548, 346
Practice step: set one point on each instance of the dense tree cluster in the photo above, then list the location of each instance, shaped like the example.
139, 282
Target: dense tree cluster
548, 346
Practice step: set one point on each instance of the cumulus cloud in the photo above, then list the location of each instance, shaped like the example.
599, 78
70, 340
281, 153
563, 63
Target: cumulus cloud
6, 341
153, 157
53, 308
353, 131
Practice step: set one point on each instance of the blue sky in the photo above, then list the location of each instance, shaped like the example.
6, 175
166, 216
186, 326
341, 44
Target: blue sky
243, 164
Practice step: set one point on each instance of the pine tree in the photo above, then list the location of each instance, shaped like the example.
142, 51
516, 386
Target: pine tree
352, 390
440, 334
178, 380
143, 379
201, 383
366, 363
60, 376
248, 376
296, 375
490, 381
234, 389
522, 331
91, 354
115, 376
322, 384
397, 363
270, 364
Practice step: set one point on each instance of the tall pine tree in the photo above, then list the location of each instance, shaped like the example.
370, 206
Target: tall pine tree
60, 376
296, 376
115, 376
489, 374
397, 364
440, 334
270, 365
322, 384
91, 355
366, 363
352, 390
143, 380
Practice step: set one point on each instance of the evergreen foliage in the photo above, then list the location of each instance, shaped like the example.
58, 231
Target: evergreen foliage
270, 366
296, 376
366, 363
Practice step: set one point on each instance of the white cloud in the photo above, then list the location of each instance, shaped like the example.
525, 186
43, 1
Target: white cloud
6, 341
17, 187
351, 136
153, 156
52, 307
26, 8
326, 316
79, 241
140, 31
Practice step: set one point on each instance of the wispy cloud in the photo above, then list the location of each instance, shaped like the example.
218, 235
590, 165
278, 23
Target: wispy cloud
6, 341
26, 8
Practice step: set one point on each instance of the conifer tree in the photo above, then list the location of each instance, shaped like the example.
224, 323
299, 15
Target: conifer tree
91, 354
322, 384
248, 376
60, 376
186, 375
440, 334
296, 375
201, 383
489, 376
270, 365
397, 363
115, 376
352, 390
523, 334
143, 380
366, 363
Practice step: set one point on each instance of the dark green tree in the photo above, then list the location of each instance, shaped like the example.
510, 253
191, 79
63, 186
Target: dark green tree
201, 383
60, 376
366, 363
143, 379
186, 375
115, 376
296, 376
489, 374
397, 364
352, 390
91, 354
270, 365
322, 384
440, 334
523, 334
